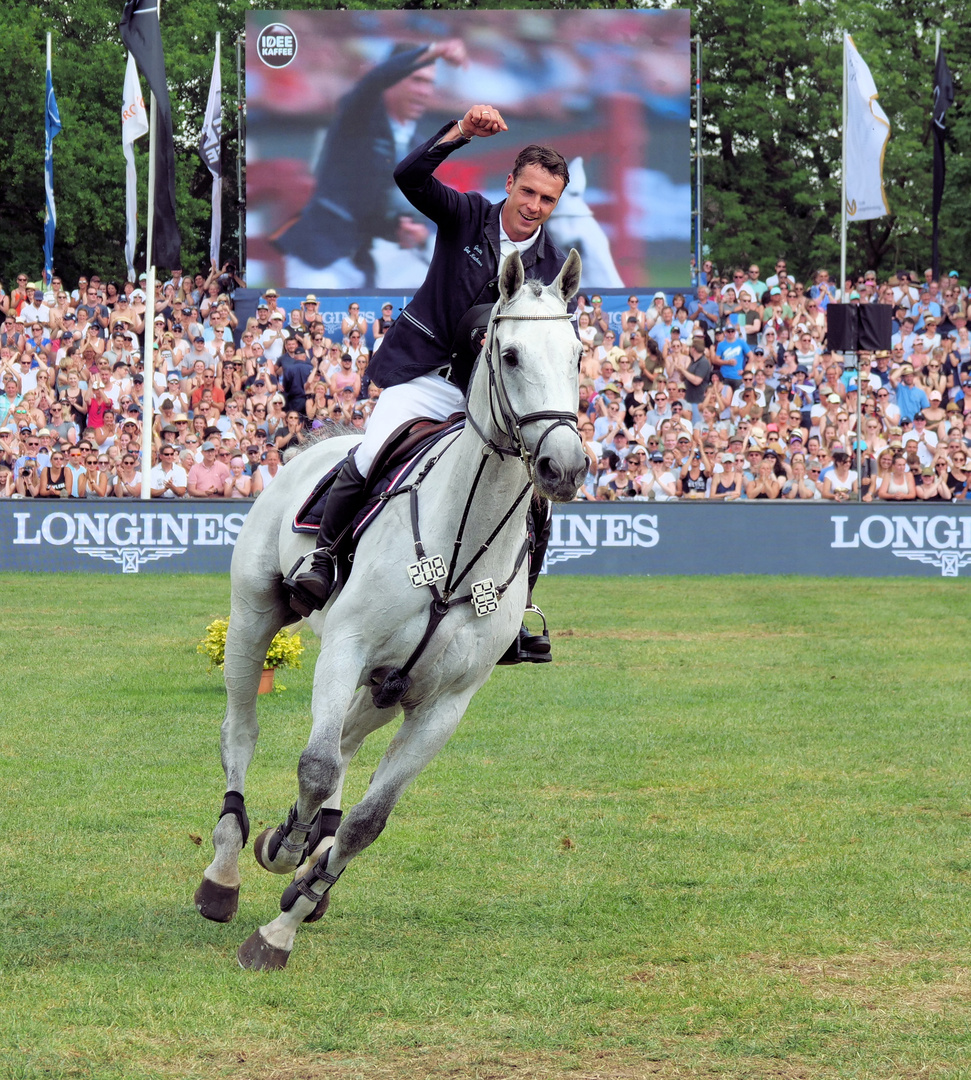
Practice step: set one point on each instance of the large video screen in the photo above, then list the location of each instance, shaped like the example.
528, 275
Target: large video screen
334, 99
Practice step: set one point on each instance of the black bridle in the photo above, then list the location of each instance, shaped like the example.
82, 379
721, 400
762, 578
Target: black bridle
507, 421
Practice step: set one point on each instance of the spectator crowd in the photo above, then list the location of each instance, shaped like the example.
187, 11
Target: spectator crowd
726, 391
228, 400
732, 391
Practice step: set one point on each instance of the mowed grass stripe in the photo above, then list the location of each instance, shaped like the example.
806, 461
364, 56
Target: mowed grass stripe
728, 833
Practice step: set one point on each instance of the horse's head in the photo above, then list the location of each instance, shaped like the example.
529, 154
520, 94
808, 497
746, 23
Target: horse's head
531, 361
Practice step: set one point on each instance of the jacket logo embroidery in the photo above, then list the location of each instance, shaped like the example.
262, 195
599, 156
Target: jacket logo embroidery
474, 253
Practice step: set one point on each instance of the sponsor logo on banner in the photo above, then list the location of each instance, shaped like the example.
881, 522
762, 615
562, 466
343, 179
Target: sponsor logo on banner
128, 538
276, 45
574, 536
941, 540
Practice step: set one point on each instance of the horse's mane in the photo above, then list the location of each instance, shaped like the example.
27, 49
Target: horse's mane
330, 429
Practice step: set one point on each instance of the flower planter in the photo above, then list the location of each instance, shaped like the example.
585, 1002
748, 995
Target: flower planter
266, 680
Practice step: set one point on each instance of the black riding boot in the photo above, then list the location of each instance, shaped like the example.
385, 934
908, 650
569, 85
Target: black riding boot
531, 648
310, 590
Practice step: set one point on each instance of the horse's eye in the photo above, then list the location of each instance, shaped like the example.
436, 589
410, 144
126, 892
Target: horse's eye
510, 358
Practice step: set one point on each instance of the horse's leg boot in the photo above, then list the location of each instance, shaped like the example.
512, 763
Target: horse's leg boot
310, 590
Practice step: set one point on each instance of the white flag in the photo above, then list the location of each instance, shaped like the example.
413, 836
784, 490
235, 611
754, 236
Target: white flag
134, 124
867, 131
210, 150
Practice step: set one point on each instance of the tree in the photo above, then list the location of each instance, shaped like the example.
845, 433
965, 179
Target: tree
89, 169
772, 108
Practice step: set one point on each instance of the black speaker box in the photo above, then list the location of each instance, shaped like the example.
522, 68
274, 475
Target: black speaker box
876, 327
858, 328
842, 327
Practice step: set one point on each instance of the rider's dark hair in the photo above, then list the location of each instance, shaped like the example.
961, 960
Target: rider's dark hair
546, 158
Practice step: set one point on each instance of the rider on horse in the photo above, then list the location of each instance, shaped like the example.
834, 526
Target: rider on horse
424, 365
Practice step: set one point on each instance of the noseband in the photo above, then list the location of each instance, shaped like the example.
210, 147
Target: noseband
507, 421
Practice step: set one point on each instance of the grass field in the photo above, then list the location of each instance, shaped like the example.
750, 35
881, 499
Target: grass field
727, 834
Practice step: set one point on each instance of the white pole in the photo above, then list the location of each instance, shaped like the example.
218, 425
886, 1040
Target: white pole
843, 184
240, 119
153, 122
217, 185
45, 279
148, 386
148, 365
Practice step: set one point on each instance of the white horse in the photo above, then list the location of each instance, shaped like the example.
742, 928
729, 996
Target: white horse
572, 225
436, 595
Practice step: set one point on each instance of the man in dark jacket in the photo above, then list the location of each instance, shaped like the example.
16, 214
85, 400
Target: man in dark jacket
415, 364
328, 246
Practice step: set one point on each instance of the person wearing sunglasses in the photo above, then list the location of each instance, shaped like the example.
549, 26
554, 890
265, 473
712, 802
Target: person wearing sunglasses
128, 482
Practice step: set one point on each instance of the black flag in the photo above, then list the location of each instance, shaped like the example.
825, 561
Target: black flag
943, 97
141, 33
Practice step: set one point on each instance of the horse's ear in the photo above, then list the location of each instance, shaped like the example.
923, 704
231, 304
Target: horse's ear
568, 280
511, 276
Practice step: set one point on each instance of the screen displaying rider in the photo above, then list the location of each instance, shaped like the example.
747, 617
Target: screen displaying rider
329, 245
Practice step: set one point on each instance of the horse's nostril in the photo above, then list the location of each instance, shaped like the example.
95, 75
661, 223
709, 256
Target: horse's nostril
549, 470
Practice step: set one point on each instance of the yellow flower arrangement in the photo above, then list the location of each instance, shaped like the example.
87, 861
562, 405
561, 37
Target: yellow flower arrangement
284, 651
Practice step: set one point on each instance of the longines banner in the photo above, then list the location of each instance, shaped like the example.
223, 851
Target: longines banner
639, 538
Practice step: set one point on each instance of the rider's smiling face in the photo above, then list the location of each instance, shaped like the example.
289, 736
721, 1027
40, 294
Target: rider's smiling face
532, 197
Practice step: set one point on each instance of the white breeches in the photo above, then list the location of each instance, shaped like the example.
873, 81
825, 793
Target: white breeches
342, 274
428, 395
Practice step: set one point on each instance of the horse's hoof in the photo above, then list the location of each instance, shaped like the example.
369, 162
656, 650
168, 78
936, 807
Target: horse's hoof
255, 954
263, 858
216, 902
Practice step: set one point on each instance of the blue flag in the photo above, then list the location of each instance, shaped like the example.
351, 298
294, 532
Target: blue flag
52, 127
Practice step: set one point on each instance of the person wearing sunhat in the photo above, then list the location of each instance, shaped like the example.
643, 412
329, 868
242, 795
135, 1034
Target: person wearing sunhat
910, 398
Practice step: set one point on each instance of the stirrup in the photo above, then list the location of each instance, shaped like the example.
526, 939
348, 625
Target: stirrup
536, 643
302, 600
529, 648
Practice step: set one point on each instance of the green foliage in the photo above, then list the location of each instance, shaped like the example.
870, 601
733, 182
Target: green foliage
772, 109
285, 649
88, 66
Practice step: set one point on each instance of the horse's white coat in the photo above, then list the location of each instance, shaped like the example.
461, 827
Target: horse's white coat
378, 618
572, 225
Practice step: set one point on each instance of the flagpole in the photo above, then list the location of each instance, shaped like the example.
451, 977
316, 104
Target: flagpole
843, 184
217, 185
148, 366
148, 385
240, 200
935, 252
52, 126
46, 208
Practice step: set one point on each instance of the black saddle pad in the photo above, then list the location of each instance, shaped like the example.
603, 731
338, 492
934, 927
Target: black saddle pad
391, 467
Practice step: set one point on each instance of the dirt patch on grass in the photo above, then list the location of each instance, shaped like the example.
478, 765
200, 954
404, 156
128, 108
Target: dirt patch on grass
902, 979
750, 632
438, 1064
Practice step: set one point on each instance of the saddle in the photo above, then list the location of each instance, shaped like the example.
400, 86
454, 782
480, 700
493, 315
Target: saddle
394, 462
